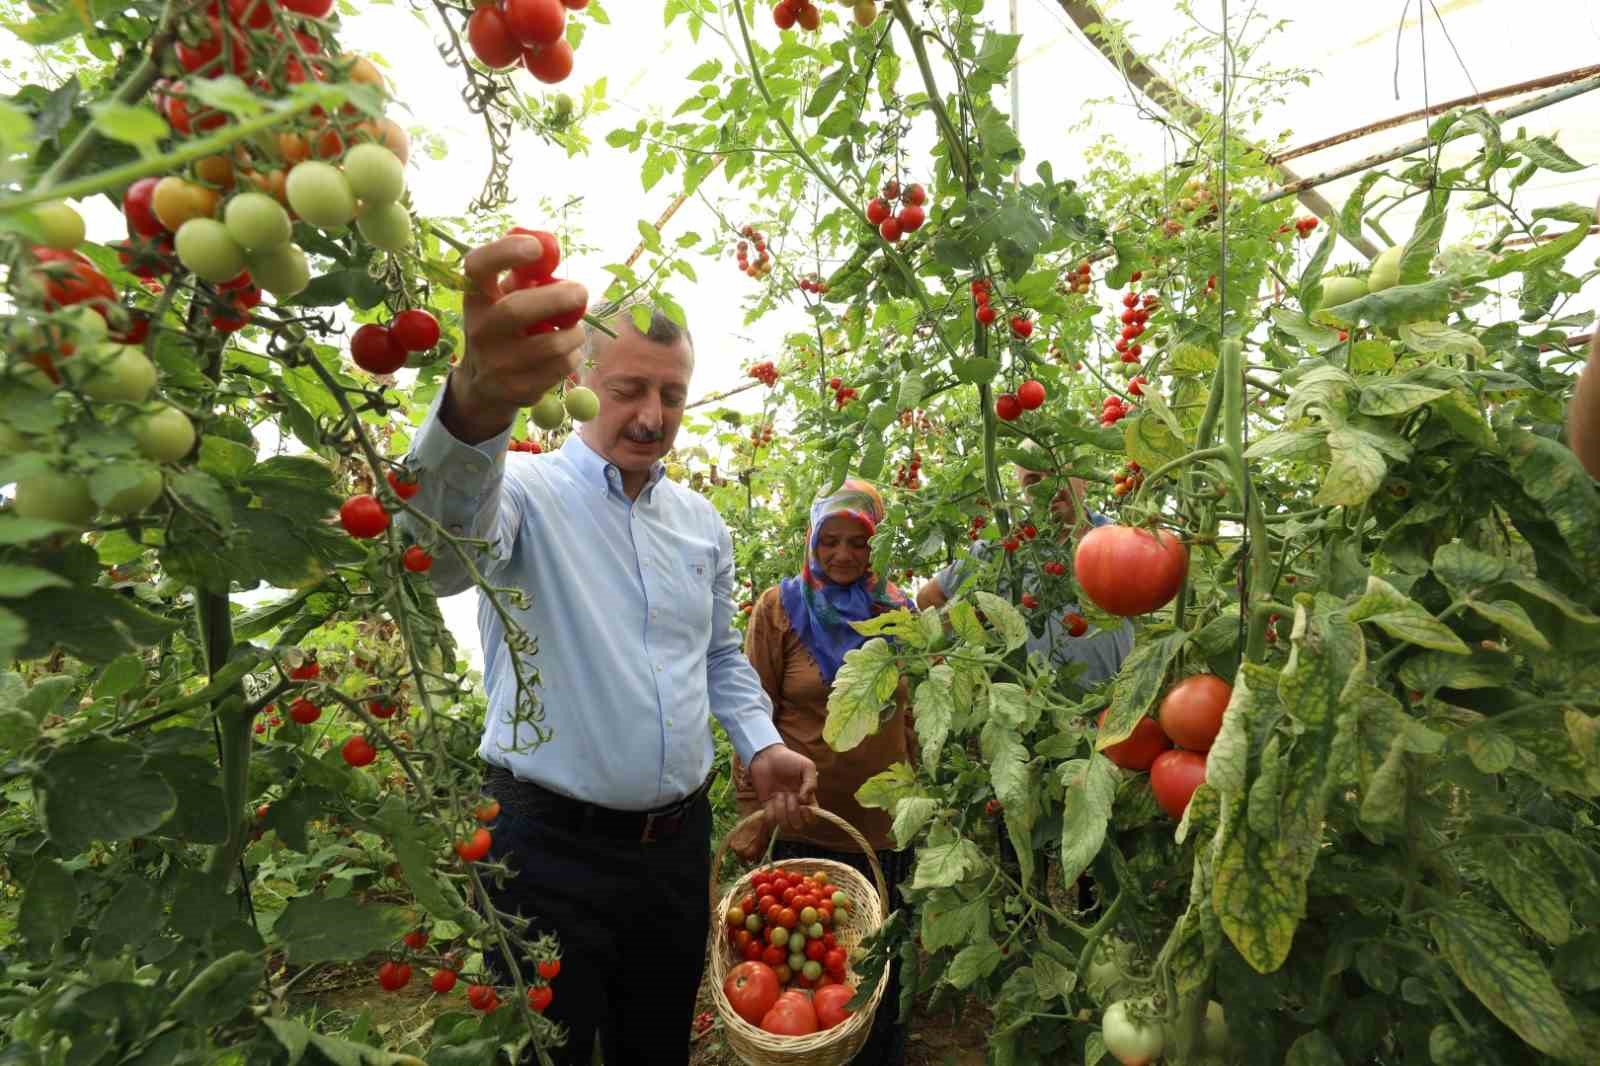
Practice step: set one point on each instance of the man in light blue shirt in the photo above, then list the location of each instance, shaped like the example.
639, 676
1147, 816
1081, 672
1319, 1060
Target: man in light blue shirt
629, 579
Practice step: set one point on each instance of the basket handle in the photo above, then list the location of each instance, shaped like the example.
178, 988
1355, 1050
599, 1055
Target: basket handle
827, 815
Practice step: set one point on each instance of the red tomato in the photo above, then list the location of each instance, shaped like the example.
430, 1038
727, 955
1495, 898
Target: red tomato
550, 969
1174, 776
752, 951
1008, 408
1128, 571
444, 981
69, 279
543, 269
475, 848
741, 937
788, 896
1077, 625
1031, 395
1191, 711
773, 955
791, 1015
1140, 748
304, 711
829, 1004
415, 330
403, 489
752, 989
748, 905
417, 560
363, 517
394, 976
550, 63
375, 349
787, 917
539, 998
306, 671
416, 940
358, 751
536, 22
815, 950
138, 208
491, 39
483, 997
381, 708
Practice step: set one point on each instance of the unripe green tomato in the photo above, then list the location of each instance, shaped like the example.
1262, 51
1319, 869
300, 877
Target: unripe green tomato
549, 412
86, 327
386, 226
165, 436
257, 222
56, 497
562, 105
797, 961
117, 373
812, 969
318, 193
60, 227
375, 174
582, 404
282, 271
816, 932
205, 248
780, 937
1129, 371
136, 497
1385, 269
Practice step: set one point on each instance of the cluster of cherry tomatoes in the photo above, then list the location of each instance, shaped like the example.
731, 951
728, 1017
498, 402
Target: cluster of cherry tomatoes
529, 446
1301, 226
1030, 396
532, 32
380, 349
761, 435
842, 393
1076, 280
1114, 410
909, 475
893, 225
765, 372
1189, 716
763, 261
1128, 479
813, 284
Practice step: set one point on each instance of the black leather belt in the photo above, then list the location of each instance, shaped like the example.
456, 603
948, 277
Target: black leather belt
646, 827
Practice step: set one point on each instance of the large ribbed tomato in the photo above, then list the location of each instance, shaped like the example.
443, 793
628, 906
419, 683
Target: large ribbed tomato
1128, 571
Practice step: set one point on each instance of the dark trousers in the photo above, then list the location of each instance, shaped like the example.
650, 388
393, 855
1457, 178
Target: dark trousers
886, 1043
632, 919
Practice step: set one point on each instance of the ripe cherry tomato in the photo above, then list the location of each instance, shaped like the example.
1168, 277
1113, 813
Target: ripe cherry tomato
491, 39
539, 998
138, 208
363, 517
375, 349
417, 560
549, 969
381, 708
549, 63
443, 981
1031, 394
1007, 407
403, 489
358, 751
304, 711
487, 811
483, 997
476, 847
70, 279
535, 22
309, 670
1075, 623
1140, 748
416, 940
415, 330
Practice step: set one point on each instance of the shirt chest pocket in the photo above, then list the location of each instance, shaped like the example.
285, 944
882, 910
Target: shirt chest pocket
692, 579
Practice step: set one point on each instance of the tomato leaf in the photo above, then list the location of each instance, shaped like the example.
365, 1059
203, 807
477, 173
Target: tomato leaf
1139, 683
1549, 473
886, 788
935, 709
861, 691
102, 790
319, 929
1507, 977
1085, 812
1315, 1048
1381, 398
948, 921
973, 963
911, 816
943, 865
1404, 619
49, 904
1524, 877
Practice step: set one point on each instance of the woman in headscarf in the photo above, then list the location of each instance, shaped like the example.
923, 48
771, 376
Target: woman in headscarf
798, 636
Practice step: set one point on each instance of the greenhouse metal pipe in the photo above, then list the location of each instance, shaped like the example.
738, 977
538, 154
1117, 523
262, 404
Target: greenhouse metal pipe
1299, 187
1520, 87
1085, 13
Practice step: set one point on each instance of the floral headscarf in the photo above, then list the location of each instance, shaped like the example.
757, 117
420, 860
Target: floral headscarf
820, 611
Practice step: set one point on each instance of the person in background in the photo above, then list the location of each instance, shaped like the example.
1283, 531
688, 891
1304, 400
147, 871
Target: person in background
1100, 651
797, 639
1583, 414
606, 827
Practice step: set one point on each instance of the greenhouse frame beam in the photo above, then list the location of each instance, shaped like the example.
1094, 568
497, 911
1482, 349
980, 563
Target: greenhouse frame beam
1546, 82
1162, 93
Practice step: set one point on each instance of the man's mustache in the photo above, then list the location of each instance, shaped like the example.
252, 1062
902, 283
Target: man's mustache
643, 436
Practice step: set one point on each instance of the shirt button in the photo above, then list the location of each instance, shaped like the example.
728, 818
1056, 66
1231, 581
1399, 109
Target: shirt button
658, 668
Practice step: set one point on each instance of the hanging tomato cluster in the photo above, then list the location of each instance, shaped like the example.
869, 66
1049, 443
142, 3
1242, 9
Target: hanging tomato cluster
909, 475
765, 372
1075, 281
532, 32
842, 393
763, 264
384, 349
893, 225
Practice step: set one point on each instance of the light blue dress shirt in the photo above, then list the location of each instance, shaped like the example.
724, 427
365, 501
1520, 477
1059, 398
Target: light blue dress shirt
631, 602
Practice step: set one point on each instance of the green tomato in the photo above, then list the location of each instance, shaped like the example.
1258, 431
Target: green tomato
257, 222
60, 498
136, 497
582, 404
60, 227
117, 373
1338, 290
1385, 269
1133, 1032
386, 226
375, 174
752, 922
282, 271
816, 932
1214, 1030
809, 916
165, 436
780, 937
812, 969
797, 961
321, 195
205, 248
548, 413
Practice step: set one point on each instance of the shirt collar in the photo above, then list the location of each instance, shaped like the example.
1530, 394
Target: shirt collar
601, 472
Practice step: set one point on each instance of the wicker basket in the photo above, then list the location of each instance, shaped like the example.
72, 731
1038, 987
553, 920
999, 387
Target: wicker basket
869, 909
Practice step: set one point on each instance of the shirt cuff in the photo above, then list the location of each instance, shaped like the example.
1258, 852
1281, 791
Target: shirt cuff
752, 736
436, 448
